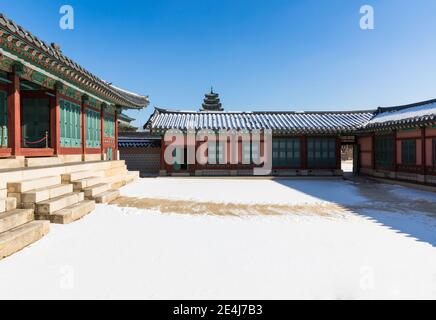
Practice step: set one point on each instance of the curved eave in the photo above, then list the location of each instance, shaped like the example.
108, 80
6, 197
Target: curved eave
401, 124
281, 123
38, 53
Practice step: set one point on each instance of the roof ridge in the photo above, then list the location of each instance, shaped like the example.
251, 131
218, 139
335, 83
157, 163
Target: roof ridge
165, 110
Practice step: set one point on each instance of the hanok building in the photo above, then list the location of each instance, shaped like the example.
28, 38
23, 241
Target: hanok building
397, 142
400, 143
303, 143
58, 138
51, 106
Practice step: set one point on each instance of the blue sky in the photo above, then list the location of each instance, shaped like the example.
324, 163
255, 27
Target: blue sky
258, 54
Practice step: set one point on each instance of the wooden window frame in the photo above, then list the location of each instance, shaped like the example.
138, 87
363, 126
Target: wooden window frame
384, 157
408, 152
321, 152
286, 146
93, 128
70, 124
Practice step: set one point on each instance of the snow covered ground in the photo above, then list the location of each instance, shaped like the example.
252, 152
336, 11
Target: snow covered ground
384, 246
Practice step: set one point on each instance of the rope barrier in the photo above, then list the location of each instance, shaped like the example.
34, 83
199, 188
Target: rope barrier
39, 141
35, 142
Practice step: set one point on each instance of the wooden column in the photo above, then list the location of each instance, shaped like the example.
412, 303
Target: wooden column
395, 151
83, 120
14, 114
102, 130
55, 123
116, 136
373, 151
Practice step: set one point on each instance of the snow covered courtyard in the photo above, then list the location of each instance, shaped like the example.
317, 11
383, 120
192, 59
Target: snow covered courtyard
337, 239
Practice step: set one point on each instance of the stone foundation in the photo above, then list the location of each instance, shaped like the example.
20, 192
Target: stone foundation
403, 176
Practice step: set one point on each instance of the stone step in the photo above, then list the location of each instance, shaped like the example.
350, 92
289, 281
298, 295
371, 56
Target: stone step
18, 238
70, 213
38, 195
12, 163
56, 204
117, 163
91, 192
107, 196
8, 204
27, 185
42, 162
134, 174
79, 175
116, 171
87, 182
15, 218
119, 181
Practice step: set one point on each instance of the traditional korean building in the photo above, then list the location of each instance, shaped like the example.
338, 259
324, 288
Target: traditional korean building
400, 143
395, 142
52, 107
303, 143
58, 138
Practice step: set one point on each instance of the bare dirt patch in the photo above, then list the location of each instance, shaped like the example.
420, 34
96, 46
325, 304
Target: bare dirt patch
227, 209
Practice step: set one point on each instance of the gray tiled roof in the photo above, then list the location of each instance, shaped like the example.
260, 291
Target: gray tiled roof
138, 143
409, 115
295, 122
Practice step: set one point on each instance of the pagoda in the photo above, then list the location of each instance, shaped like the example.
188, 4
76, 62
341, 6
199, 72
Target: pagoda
212, 102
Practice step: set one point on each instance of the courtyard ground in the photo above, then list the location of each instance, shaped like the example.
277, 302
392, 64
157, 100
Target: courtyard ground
254, 238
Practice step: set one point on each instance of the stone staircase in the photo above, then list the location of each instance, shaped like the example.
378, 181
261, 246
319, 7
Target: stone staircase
32, 198
101, 186
50, 199
63, 197
18, 227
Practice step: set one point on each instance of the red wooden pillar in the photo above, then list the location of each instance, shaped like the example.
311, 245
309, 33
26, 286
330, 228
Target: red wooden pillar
395, 152
116, 136
373, 151
102, 130
83, 120
55, 123
162, 153
14, 114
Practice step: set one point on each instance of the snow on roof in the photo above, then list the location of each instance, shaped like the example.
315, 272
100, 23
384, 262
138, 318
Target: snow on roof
315, 122
127, 92
425, 111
